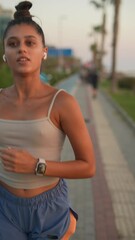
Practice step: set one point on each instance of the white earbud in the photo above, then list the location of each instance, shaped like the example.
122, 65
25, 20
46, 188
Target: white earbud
45, 55
4, 58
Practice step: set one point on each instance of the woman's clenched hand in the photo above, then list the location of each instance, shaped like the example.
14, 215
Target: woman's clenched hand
17, 160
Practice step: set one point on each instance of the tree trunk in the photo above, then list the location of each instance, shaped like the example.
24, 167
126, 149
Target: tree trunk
102, 45
114, 45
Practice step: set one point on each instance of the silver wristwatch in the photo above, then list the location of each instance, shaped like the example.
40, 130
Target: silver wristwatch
40, 167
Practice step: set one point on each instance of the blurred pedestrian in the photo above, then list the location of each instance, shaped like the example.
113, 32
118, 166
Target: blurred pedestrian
93, 78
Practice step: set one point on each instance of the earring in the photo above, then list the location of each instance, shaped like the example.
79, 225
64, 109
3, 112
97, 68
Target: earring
45, 55
4, 58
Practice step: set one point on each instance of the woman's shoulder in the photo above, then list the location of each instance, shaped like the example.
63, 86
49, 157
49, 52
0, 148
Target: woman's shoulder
65, 102
5, 89
64, 96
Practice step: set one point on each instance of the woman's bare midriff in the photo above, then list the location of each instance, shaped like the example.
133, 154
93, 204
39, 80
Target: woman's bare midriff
28, 193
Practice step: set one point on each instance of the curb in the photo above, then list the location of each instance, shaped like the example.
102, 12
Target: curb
119, 109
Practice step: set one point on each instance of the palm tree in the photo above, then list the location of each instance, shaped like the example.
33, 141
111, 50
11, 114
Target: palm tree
114, 43
102, 4
94, 47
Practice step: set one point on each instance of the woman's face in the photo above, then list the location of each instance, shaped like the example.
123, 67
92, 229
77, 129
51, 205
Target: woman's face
24, 49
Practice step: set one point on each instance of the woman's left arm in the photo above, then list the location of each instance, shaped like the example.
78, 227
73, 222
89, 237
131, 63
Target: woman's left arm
73, 124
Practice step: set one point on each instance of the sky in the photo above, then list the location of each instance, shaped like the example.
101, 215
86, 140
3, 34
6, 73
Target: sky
68, 24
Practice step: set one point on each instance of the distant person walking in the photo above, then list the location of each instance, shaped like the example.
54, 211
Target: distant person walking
93, 79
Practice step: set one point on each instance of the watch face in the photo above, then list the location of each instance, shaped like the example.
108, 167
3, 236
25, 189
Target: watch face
41, 168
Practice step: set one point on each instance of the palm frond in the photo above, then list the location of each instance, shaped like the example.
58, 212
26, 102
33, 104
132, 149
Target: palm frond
96, 4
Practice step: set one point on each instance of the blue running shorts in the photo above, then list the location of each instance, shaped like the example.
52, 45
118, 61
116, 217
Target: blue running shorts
43, 217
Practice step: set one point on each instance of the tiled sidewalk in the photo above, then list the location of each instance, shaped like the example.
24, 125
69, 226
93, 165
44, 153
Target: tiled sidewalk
119, 178
106, 203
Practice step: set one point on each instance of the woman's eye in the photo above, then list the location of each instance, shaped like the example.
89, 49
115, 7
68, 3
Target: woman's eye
12, 44
30, 43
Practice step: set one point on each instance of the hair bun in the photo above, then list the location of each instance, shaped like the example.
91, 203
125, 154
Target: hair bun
23, 10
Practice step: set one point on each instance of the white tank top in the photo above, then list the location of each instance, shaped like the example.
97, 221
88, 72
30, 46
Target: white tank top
40, 137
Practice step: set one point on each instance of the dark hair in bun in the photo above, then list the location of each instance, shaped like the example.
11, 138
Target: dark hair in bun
23, 16
23, 10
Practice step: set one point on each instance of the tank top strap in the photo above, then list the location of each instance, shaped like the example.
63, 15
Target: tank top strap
52, 102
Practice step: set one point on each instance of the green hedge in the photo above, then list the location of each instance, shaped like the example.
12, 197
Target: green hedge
126, 99
5, 77
127, 83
